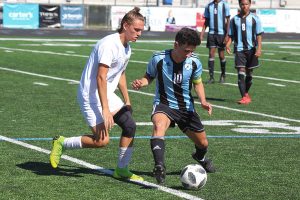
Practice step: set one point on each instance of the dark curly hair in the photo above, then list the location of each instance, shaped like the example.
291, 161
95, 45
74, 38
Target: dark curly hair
187, 36
241, 0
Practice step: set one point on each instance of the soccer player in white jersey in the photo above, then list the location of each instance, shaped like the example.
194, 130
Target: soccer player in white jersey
101, 107
176, 71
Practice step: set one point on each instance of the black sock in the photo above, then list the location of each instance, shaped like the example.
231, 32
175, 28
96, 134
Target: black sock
248, 82
158, 150
200, 153
223, 67
211, 64
241, 83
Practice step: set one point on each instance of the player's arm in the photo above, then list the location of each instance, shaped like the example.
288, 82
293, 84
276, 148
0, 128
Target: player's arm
139, 83
204, 28
227, 25
123, 88
102, 91
259, 46
199, 89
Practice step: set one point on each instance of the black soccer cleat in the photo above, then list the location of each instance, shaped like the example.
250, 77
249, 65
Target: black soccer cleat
159, 172
210, 81
206, 164
222, 79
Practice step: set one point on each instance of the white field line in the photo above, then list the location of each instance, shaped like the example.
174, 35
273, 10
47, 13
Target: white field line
149, 94
102, 170
95, 40
135, 61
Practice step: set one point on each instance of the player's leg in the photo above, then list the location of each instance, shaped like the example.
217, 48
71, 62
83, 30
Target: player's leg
221, 52
211, 64
201, 145
99, 138
124, 119
211, 45
160, 125
248, 82
194, 129
240, 64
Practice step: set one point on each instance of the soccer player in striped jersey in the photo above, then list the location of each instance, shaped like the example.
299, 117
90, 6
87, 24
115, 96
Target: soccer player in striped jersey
246, 32
176, 71
217, 15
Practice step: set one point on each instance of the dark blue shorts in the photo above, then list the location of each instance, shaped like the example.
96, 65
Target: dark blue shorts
215, 41
185, 120
246, 59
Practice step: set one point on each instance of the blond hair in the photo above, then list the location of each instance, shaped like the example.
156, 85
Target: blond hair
130, 17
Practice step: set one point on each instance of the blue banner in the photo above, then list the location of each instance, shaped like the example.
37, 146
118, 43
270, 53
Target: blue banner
72, 16
21, 15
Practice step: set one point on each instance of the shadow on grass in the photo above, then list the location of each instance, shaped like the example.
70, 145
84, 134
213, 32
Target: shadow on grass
45, 169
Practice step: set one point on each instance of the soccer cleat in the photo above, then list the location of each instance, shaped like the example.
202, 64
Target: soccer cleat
244, 100
57, 150
222, 79
248, 97
124, 173
210, 81
206, 164
159, 172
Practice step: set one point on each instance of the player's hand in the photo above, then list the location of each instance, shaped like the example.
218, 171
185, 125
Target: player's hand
207, 106
108, 119
258, 52
137, 84
228, 50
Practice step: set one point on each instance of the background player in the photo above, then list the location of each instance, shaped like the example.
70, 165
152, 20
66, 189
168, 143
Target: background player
246, 32
217, 15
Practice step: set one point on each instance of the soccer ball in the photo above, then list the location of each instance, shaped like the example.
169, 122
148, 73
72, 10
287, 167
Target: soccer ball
193, 176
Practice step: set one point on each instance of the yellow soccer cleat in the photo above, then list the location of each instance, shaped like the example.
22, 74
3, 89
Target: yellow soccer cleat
57, 150
124, 173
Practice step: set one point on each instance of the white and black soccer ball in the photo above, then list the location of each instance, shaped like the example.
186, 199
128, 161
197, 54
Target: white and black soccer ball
193, 177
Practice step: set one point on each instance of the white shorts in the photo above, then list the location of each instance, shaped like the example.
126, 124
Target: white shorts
92, 112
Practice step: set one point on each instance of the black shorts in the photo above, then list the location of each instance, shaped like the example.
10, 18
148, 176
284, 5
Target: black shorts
184, 119
215, 41
246, 59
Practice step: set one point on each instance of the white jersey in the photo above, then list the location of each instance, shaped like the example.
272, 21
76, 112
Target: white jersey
111, 52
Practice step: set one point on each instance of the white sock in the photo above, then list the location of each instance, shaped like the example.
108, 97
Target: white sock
72, 143
124, 156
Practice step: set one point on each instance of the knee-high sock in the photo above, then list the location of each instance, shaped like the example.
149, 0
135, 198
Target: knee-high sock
125, 154
223, 67
211, 66
158, 150
248, 82
200, 153
241, 83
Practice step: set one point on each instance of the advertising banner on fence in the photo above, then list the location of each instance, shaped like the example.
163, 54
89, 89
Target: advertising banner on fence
72, 16
21, 15
268, 20
162, 18
287, 21
49, 16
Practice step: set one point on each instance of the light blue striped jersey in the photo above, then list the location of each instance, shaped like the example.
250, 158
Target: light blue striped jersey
174, 80
216, 13
244, 31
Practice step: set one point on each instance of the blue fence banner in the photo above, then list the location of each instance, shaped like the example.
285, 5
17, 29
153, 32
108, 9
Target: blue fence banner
21, 16
72, 16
